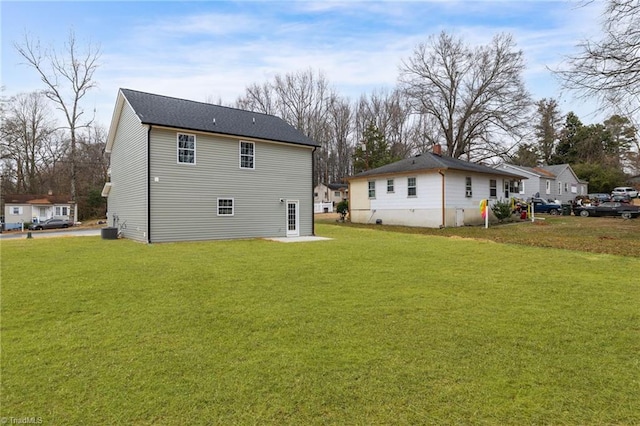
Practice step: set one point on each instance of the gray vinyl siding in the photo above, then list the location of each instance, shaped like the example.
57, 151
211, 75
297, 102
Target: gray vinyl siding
184, 196
127, 200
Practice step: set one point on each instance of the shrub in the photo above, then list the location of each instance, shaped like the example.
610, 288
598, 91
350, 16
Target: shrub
343, 208
502, 209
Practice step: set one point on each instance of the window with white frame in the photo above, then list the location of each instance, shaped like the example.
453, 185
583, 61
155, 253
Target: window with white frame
412, 188
372, 188
467, 187
247, 155
16, 210
225, 206
62, 211
559, 188
186, 148
548, 187
337, 194
493, 188
390, 188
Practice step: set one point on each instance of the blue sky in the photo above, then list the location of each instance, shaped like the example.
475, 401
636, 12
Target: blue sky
210, 50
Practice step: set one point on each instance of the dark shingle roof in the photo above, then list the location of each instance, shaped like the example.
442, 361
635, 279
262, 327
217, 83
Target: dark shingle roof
430, 161
161, 110
36, 199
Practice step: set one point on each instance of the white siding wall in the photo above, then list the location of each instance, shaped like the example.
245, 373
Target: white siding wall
184, 196
127, 200
425, 209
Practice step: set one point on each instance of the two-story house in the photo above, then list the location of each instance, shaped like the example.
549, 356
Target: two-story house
184, 170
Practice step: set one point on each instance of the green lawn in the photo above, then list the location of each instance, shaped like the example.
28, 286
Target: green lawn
369, 328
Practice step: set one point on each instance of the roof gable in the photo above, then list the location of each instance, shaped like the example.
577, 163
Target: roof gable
158, 110
430, 161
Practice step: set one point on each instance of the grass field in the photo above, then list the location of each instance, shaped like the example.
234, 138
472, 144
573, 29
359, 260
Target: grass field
368, 328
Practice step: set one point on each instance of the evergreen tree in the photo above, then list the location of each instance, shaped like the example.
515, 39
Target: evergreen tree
374, 151
566, 150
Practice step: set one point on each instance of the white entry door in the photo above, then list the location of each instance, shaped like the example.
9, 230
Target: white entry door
293, 217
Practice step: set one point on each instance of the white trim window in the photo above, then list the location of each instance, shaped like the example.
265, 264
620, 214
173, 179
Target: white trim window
412, 187
548, 187
493, 188
372, 188
186, 148
390, 188
468, 189
15, 210
225, 207
62, 211
559, 188
247, 155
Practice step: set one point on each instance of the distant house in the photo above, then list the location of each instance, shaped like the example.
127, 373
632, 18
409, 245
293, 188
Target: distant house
429, 190
184, 170
557, 182
326, 196
23, 208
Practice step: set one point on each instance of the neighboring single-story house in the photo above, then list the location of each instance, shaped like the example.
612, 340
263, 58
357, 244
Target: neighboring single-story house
184, 170
429, 190
23, 208
556, 182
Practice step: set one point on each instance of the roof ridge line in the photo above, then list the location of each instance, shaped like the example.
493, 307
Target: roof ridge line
200, 102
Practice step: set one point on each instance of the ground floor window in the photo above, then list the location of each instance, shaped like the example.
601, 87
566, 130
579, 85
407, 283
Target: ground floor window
493, 188
467, 186
372, 189
225, 206
412, 188
62, 211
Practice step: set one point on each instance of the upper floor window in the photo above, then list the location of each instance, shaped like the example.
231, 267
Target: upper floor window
372, 189
186, 148
493, 188
467, 187
566, 187
412, 189
247, 155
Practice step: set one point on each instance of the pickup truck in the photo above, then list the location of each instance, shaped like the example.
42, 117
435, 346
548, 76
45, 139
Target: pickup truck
542, 206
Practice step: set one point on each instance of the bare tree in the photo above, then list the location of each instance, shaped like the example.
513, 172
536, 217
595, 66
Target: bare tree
27, 141
609, 69
67, 77
391, 114
475, 97
340, 149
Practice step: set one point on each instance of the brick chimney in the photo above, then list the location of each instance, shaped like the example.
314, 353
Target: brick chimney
437, 149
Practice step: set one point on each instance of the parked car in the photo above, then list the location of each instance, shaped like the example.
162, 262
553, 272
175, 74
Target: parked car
542, 206
611, 208
625, 190
50, 224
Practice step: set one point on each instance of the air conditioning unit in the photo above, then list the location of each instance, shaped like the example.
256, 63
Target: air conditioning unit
468, 193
